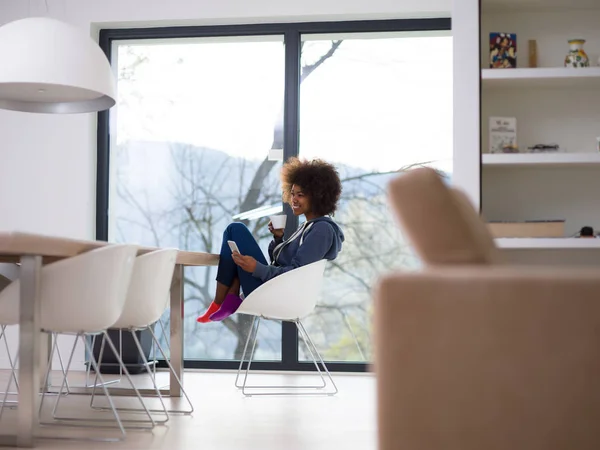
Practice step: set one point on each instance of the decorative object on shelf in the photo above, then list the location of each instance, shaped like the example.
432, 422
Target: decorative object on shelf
503, 50
533, 62
577, 56
503, 134
586, 232
598, 61
541, 148
598, 143
510, 149
544, 148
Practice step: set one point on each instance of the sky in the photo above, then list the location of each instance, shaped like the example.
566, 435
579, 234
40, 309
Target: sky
380, 102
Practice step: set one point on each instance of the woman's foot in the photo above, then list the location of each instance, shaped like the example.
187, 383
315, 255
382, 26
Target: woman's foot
229, 306
205, 318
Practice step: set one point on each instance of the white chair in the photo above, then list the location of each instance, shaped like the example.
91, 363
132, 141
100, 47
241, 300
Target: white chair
9, 272
289, 297
147, 300
83, 295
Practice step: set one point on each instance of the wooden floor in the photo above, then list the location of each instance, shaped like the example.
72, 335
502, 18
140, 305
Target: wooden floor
224, 419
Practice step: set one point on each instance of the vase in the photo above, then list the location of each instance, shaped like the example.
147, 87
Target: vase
577, 56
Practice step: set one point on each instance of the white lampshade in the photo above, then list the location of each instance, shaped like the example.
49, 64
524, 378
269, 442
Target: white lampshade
49, 66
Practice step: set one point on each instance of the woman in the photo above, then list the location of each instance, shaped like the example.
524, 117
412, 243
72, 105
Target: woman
311, 188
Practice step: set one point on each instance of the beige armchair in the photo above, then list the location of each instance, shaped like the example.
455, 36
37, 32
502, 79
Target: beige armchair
475, 355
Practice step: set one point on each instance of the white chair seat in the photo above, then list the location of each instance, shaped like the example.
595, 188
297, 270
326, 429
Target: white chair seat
290, 297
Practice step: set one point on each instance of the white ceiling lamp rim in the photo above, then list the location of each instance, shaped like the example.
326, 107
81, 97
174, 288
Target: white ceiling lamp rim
47, 90
66, 64
84, 106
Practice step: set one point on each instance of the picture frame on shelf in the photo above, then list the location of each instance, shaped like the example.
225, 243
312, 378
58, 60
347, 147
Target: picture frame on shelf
503, 50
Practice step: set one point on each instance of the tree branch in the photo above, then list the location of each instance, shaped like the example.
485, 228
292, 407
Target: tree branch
374, 174
310, 68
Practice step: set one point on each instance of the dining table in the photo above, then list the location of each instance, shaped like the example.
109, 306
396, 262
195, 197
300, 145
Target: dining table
32, 251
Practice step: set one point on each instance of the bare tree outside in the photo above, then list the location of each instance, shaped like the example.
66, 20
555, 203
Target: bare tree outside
200, 189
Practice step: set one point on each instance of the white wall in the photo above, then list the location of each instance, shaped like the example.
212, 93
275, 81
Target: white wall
48, 165
465, 31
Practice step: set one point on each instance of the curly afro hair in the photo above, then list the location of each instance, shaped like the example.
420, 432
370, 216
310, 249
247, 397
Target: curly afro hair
319, 180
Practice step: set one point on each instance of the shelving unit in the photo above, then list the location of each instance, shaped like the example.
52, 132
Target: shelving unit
549, 159
553, 105
548, 243
541, 78
536, 6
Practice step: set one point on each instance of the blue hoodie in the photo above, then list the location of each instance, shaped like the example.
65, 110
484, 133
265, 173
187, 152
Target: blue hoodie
315, 239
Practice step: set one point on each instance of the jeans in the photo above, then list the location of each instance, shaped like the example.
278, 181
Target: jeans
228, 269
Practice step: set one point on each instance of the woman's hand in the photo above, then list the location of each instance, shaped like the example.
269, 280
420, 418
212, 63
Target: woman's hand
247, 263
278, 234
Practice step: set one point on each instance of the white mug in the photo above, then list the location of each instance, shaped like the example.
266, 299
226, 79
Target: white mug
278, 221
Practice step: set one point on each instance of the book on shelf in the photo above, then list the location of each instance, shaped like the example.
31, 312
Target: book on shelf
503, 134
527, 228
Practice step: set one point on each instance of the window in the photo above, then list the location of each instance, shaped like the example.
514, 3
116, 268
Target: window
374, 103
184, 153
194, 119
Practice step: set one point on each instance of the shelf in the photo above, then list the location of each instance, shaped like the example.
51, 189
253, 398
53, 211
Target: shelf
541, 78
548, 243
541, 159
537, 6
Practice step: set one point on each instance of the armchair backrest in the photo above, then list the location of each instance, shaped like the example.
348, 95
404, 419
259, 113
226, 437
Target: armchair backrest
441, 222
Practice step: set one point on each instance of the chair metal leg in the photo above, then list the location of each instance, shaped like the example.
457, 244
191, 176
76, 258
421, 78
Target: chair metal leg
251, 332
156, 389
60, 361
244, 385
13, 377
100, 355
347, 322
147, 424
10, 380
166, 335
65, 376
3, 337
162, 352
309, 342
249, 390
151, 420
13, 372
64, 421
49, 369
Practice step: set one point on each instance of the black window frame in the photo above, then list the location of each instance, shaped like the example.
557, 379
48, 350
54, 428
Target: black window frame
292, 34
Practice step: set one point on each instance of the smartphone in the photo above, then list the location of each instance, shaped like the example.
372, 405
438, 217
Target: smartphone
233, 246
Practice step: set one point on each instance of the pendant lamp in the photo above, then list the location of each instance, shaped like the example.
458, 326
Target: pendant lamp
49, 66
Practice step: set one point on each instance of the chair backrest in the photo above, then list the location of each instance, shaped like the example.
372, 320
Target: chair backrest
148, 295
84, 293
289, 296
441, 222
